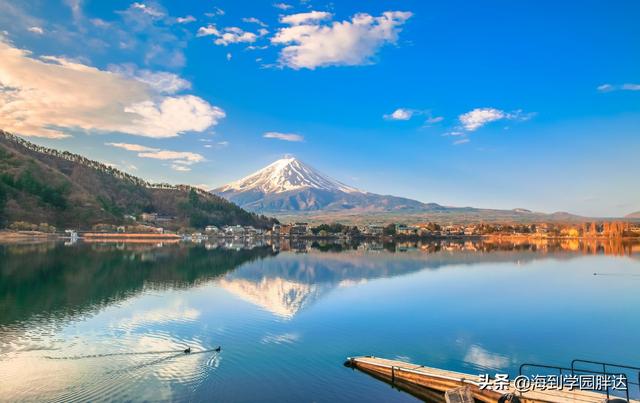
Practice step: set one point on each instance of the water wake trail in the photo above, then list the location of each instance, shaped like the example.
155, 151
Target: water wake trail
81, 357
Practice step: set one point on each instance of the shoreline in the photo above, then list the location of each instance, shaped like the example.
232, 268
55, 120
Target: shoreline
11, 236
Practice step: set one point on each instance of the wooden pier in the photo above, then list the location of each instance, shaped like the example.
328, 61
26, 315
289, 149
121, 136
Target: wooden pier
430, 384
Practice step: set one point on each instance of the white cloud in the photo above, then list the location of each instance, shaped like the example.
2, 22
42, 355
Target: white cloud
254, 20
76, 9
149, 10
180, 168
132, 147
185, 20
283, 136
43, 96
235, 35
605, 88
479, 117
230, 35
283, 6
161, 81
400, 114
408, 114
461, 141
338, 43
100, 23
216, 11
180, 159
622, 87
208, 30
36, 30
305, 18
172, 116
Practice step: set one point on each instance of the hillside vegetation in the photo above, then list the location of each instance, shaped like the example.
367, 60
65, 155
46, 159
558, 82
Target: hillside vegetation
41, 185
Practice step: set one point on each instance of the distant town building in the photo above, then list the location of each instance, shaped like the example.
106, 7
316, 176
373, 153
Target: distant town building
149, 217
298, 229
374, 229
285, 230
275, 230
211, 229
405, 230
250, 231
235, 231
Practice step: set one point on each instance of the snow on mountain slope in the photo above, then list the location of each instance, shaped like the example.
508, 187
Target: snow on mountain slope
284, 175
290, 185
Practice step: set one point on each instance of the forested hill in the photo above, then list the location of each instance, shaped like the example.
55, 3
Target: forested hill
42, 185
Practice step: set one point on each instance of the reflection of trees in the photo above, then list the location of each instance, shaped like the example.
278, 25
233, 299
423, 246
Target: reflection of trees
66, 281
604, 246
51, 279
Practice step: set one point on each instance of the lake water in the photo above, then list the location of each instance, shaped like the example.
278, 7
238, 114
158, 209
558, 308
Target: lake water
287, 317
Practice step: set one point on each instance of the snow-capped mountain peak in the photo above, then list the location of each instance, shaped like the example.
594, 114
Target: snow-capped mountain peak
285, 175
290, 185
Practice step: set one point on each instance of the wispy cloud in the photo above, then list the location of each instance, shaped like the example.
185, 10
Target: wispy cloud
408, 114
183, 157
180, 159
146, 28
230, 35
312, 17
619, 87
185, 20
478, 117
161, 81
132, 147
217, 11
284, 136
254, 20
36, 30
282, 6
309, 42
149, 10
434, 119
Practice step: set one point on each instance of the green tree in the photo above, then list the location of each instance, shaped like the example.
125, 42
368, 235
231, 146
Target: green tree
389, 230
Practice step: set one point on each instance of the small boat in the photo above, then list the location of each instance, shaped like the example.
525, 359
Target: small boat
438, 385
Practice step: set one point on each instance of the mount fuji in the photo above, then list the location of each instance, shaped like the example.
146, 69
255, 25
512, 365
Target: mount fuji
289, 185
289, 188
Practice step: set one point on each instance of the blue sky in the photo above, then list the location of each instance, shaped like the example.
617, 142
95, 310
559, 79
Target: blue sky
531, 104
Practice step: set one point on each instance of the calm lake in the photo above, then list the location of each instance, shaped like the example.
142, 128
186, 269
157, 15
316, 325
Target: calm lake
287, 316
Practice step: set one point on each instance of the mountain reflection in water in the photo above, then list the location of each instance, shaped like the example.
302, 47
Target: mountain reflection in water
55, 280
287, 313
